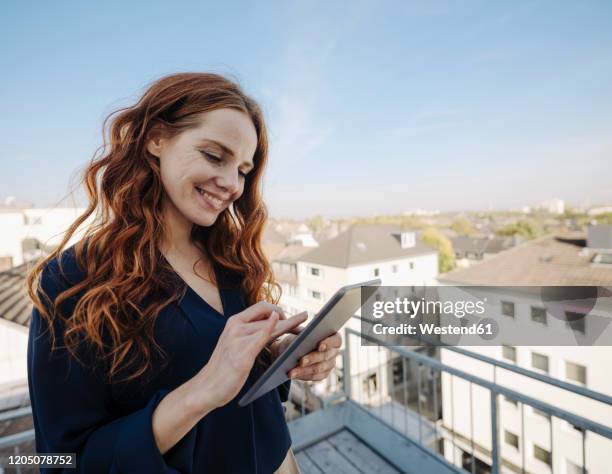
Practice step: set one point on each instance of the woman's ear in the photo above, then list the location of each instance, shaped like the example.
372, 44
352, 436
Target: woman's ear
155, 142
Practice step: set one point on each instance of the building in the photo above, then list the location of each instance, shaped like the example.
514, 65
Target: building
28, 233
530, 438
469, 250
361, 253
599, 210
552, 206
15, 312
285, 268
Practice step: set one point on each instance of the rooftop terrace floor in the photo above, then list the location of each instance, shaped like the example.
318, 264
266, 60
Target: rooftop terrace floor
347, 438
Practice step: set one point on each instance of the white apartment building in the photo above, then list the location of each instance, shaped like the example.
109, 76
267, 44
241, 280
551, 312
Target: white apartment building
15, 309
26, 233
553, 206
361, 253
549, 261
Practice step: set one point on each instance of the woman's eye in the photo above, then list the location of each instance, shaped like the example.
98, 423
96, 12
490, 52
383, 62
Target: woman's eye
213, 158
218, 160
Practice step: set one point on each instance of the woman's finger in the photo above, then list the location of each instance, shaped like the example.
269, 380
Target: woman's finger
287, 325
317, 356
259, 311
335, 340
282, 326
305, 373
256, 341
254, 326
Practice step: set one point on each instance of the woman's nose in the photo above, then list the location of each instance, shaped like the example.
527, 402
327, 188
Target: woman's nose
229, 180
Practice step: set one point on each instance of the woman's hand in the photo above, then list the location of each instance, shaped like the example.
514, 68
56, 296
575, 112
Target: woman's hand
219, 381
244, 336
315, 365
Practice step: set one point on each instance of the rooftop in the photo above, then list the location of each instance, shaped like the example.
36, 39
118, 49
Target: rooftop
362, 244
480, 244
551, 260
15, 305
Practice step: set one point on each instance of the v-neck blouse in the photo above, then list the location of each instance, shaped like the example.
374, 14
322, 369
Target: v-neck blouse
109, 427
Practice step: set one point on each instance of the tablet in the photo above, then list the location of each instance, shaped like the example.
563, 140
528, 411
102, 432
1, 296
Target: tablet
330, 319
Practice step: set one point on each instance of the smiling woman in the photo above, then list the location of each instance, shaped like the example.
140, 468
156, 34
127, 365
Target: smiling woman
147, 331
203, 175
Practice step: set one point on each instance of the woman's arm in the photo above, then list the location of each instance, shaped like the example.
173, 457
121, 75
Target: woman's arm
70, 406
179, 411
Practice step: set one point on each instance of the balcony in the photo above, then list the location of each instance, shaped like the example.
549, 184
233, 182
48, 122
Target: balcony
391, 416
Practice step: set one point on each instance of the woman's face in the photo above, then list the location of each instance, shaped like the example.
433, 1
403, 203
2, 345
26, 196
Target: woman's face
203, 169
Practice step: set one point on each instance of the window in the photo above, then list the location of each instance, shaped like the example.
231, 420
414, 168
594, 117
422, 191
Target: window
576, 321
398, 371
411, 265
575, 372
314, 271
511, 439
509, 353
539, 361
407, 239
32, 220
541, 413
377, 272
315, 294
394, 268
370, 384
541, 454
507, 308
572, 468
538, 315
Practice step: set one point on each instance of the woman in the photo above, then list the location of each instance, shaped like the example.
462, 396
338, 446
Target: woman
147, 331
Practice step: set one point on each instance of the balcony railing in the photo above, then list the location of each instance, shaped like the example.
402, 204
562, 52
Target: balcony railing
402, 387
412, 403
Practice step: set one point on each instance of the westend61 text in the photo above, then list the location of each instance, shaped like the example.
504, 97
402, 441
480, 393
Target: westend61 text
479, 329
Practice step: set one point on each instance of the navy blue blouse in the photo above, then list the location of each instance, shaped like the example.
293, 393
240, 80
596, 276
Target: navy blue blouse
109, 426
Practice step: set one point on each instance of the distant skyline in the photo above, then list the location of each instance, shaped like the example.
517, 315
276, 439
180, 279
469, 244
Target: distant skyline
372, 107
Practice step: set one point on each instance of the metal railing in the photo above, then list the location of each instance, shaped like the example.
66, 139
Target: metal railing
566, 386
418, 400
431, 428
413, 405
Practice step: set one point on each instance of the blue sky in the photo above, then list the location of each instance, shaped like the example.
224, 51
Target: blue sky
372, 106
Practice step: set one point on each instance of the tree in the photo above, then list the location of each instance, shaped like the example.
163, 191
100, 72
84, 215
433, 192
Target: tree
316, 224
463, 226
526, 228
605, 218
446, 254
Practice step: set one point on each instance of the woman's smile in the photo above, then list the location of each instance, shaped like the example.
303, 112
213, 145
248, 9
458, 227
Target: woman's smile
209, 201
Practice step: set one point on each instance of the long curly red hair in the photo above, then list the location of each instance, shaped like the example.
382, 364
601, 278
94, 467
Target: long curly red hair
119, 251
